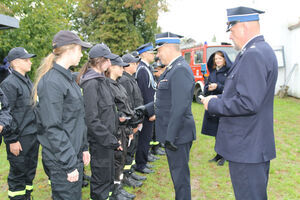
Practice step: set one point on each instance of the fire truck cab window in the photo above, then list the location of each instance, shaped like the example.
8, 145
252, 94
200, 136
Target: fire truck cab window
187, 57
198, 57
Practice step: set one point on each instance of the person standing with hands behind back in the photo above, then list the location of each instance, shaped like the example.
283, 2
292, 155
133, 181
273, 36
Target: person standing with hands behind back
60, 114
245, 134
218, 64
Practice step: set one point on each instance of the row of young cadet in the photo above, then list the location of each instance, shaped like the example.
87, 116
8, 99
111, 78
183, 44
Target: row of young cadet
78, 118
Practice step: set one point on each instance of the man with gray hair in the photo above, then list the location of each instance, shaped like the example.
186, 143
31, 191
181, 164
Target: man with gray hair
245, 134
174, 124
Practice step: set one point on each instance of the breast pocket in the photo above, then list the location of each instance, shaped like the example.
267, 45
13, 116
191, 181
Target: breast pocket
163, 85
230, 86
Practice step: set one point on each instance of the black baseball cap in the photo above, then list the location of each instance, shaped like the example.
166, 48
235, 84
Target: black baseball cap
18, 52
63, 38
129, 58
101, 50
118, 61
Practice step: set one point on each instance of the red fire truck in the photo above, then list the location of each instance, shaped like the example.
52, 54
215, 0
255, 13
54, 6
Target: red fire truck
197, 57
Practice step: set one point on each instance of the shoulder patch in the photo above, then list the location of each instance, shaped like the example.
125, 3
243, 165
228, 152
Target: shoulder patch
253, 46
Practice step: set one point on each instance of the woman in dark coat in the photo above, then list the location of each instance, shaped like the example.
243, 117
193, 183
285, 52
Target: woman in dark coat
218, 65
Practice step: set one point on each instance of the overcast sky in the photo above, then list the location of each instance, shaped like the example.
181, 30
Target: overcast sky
202, 19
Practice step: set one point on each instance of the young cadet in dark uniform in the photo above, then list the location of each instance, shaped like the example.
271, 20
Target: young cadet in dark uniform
125, 113
60, 114
245, 134
218, 64
5, 117
101, 120
147, 86
21, 145
128, 81
174, 124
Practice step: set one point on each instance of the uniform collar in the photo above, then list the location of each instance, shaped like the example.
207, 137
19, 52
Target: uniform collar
128, 75
66, 72
170, 64
20, 76
146, 63
251, 41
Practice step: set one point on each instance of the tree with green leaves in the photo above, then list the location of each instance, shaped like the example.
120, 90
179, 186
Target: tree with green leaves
122, 24
40, 20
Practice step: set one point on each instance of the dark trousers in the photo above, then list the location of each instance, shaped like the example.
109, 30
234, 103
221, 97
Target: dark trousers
120, 156
141, 157
154, 143
102, 168
179, 168
61, 188
131, 151
22, 167
249, 180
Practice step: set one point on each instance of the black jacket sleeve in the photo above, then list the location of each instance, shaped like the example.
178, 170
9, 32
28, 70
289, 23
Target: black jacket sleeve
5, 117
12, 133
96, 127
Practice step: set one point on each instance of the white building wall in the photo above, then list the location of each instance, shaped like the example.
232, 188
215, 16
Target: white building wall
294, 57
274, 26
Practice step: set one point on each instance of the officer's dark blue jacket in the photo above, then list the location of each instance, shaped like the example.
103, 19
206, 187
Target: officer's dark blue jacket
60, 114
18, 90
210, 122
245, 132
145, 82
174, 119
5, 117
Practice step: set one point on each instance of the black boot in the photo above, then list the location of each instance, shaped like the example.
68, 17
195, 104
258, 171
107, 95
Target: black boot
216, 158
129, 181
221, 162
125, 193
117, 195
137, 177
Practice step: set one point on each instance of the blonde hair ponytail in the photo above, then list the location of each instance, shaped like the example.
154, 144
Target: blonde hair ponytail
46, 65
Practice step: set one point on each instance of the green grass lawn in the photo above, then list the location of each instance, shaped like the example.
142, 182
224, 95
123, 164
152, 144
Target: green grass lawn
208, 180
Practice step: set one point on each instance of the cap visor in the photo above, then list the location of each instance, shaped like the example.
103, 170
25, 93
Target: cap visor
135, 60
125, 64
85, 45
28, 56
111, 56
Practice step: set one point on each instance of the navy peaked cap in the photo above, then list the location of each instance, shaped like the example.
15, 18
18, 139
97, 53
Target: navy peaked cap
167, 37
144, 48
241, 14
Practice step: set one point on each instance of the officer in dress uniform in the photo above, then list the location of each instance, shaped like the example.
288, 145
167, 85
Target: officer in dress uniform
245, 135
174, 124
147, 86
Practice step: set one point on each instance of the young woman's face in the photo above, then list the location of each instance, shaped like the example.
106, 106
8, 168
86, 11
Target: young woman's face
105, 65
219, 60
117, 70
76, 55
